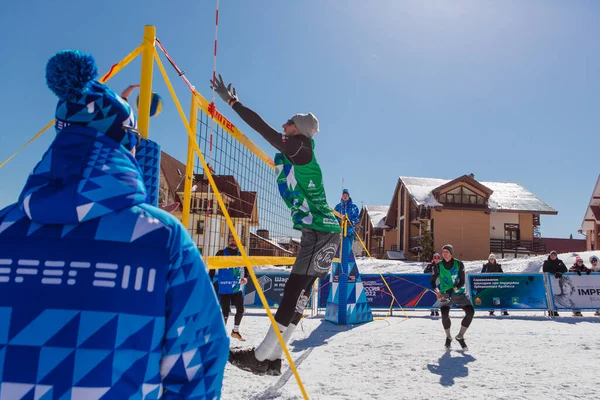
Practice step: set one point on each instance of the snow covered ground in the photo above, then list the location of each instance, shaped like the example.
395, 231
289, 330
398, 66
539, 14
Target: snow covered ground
521, 356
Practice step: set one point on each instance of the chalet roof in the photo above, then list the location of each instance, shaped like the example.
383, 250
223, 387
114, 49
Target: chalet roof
270, 242
377, 215
174, 172
506, 196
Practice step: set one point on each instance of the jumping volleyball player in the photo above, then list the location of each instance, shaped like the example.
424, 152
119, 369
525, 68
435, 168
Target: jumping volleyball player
300, 184
451, 273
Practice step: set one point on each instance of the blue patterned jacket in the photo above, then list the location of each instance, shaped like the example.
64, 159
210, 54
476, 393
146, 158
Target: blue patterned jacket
349, 208
102, 295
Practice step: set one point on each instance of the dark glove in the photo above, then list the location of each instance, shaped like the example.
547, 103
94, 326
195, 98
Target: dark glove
578, 273
224, 93
558, 275
589, 271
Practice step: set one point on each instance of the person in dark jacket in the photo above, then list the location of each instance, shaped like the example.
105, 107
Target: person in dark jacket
229, 282
579, 268
555, 266
429, 270
493, 267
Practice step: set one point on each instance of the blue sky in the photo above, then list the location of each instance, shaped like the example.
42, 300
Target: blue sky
507, 90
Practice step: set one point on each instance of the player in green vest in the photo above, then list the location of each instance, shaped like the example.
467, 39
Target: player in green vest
300, 183
451, 273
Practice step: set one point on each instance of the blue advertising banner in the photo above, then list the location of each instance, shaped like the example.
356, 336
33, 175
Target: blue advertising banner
508, 291
412, 291
272, 286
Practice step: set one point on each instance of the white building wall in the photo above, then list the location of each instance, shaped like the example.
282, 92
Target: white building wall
497, 221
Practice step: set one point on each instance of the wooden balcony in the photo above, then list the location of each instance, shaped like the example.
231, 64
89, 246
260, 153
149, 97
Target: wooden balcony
504, 246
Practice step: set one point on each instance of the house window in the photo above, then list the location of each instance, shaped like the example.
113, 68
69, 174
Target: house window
463, 196
200, 227
512, 232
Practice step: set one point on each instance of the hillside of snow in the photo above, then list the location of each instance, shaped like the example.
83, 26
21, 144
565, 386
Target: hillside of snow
515, 265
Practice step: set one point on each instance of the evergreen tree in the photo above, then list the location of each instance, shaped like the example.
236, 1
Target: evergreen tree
427, 251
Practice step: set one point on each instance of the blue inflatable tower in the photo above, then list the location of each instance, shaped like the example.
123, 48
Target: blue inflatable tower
347, 301
148, 157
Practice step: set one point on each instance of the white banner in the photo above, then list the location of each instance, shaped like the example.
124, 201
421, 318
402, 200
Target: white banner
576, 292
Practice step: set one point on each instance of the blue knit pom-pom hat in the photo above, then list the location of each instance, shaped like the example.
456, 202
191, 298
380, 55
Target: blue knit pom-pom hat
84, 101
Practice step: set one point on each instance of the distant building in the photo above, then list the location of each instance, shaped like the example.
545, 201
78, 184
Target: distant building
475, 217
370, 229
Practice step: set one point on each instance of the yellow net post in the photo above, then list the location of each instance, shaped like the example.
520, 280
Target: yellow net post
148, 51
189, 166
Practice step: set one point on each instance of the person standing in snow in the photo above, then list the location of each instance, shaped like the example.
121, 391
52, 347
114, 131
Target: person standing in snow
579, 267
229, 287
492, 267
451, 291
348, 208
429, 270
554, 266
107, 293
300, 183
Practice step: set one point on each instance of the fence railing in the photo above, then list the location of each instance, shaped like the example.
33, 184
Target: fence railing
517, 246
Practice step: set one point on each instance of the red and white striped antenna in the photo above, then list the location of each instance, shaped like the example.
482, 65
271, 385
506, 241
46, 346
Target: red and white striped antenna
213, 127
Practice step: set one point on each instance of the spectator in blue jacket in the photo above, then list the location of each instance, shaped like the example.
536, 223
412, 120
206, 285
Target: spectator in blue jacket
229, 287
347, 207
105, 296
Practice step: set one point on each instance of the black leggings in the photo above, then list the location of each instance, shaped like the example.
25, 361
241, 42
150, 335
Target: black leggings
238, 302
469, 313
296, 292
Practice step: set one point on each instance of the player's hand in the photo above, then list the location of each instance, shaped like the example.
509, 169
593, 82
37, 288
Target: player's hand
439, 295
244, 281
128, 90
224, 93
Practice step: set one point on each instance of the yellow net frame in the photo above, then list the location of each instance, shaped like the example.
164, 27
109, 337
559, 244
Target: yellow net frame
150, 55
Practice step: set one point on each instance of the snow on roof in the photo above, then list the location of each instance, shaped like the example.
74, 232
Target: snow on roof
506, 197
420, 189
513, 197
377, 215
286, 239
272, 242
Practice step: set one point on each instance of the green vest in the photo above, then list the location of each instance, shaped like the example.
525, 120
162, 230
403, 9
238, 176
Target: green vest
449, 278
302, 190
